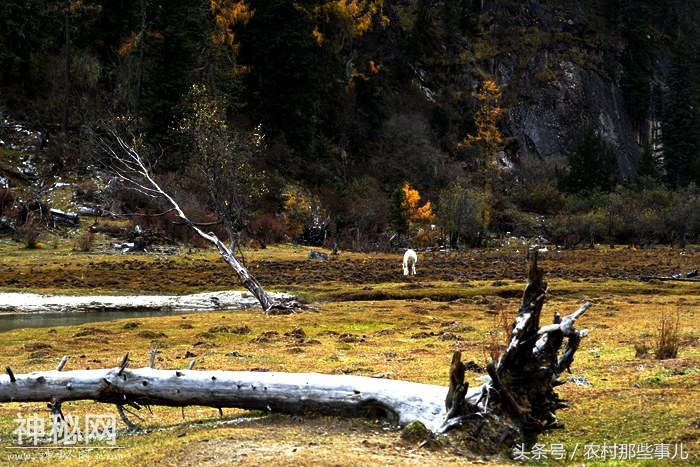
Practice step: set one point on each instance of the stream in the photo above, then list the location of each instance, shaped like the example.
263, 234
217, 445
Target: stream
11, 321
30, 310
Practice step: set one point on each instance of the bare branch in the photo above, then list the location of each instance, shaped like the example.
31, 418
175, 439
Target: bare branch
131, 168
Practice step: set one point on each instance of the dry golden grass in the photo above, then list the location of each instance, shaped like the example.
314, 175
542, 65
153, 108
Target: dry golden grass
409, 334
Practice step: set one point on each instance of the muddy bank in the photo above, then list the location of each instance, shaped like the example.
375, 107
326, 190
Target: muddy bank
180, 275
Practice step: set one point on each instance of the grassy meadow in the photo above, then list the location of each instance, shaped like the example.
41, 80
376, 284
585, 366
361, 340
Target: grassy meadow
364, 317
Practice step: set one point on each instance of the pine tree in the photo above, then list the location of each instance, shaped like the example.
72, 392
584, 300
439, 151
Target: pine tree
283, 84
680, 123
398, 212
28, 41
637, 18
172, 62
592, 164
648, 166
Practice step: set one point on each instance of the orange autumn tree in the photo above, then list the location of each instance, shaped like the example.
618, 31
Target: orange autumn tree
227, 15
353, 18
338, 23
300, 208
405, 209
418, 214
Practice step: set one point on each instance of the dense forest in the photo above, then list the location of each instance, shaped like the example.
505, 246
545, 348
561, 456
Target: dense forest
412, 120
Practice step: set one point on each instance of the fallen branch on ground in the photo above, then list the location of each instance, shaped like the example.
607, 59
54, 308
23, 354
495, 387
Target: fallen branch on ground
670, 278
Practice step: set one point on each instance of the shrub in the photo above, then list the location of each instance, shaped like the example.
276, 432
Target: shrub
368, 212
641, 350
500, 335
28, 233
427, 237
84, 242
667, 341
545, 198
301, 208
267, 229
507, 218
464, 212
190, 193
121, 198
87, 191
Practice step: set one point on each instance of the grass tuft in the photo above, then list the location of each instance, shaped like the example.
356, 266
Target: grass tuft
668, 341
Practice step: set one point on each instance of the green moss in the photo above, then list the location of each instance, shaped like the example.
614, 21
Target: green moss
416, 432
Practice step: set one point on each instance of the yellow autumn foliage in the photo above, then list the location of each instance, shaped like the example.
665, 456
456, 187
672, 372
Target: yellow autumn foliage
129, 45
487, 117
318, 36
357, 15
228, 14
299, 208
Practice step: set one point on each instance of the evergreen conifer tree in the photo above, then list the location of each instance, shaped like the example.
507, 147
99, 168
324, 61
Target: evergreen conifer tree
681, 117
592, 164
648, 167
398, 212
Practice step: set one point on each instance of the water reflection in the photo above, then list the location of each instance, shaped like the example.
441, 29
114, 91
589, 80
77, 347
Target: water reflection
50, 320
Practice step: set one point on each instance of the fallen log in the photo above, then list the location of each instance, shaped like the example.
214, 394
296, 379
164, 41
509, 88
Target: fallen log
61, 217
400, 402
516, 405
669, 278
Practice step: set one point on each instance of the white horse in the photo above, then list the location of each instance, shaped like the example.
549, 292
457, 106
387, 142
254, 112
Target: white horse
409, 262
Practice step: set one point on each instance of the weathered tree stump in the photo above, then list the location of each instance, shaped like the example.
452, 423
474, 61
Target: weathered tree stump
519, 403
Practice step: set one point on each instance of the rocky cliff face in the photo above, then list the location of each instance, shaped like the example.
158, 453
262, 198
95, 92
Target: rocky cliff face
571, 78
545, 125
559, 66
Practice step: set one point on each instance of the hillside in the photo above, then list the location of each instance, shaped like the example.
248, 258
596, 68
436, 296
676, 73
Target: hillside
355, 98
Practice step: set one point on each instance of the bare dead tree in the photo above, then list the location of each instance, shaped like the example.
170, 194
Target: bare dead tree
131, 168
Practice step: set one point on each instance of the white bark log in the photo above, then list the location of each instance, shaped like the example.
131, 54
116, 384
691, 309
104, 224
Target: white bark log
400, 402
